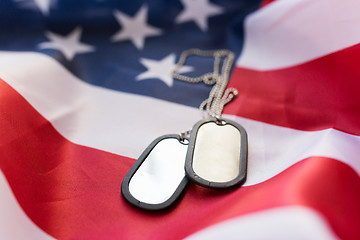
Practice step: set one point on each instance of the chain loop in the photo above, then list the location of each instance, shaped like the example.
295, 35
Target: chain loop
218, 96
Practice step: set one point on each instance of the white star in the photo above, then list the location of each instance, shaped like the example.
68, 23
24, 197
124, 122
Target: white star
134, 28
198, 11
161, 69
43, 5
69, 45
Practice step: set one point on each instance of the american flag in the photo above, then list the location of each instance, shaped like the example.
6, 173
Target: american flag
86, 85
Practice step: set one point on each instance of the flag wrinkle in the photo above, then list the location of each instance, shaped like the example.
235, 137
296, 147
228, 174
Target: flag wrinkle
73, 118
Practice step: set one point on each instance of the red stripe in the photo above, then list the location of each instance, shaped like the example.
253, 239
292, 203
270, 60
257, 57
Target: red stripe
73, 192
266, 2
320, 94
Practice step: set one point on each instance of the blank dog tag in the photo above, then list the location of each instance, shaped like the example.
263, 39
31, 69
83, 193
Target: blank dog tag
157, 178
217, 154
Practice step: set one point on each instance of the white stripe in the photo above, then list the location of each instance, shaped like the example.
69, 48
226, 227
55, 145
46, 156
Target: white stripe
290, 32
14, 223
125, 123
272, 149
113, 121
295, 223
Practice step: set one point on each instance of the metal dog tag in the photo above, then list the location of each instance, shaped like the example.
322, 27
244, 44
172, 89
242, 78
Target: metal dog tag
157, 178
217, 154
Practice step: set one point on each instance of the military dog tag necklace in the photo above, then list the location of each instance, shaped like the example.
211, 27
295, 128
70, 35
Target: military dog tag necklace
215, 156
217, 151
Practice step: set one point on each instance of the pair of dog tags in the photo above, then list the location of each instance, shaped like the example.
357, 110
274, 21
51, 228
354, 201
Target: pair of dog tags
215, 156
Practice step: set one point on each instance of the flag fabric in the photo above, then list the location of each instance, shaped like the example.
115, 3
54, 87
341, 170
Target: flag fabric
85, 86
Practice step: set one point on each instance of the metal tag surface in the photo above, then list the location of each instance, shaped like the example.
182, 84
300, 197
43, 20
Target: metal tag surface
217, 154
157, 178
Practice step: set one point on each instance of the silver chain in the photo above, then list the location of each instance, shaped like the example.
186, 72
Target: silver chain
218, 96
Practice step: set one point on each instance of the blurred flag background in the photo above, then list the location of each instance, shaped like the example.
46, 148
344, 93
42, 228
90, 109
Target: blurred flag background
85, 86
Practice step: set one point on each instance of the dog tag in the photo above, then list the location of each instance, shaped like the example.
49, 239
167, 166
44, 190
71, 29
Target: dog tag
217, 154
157, 178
